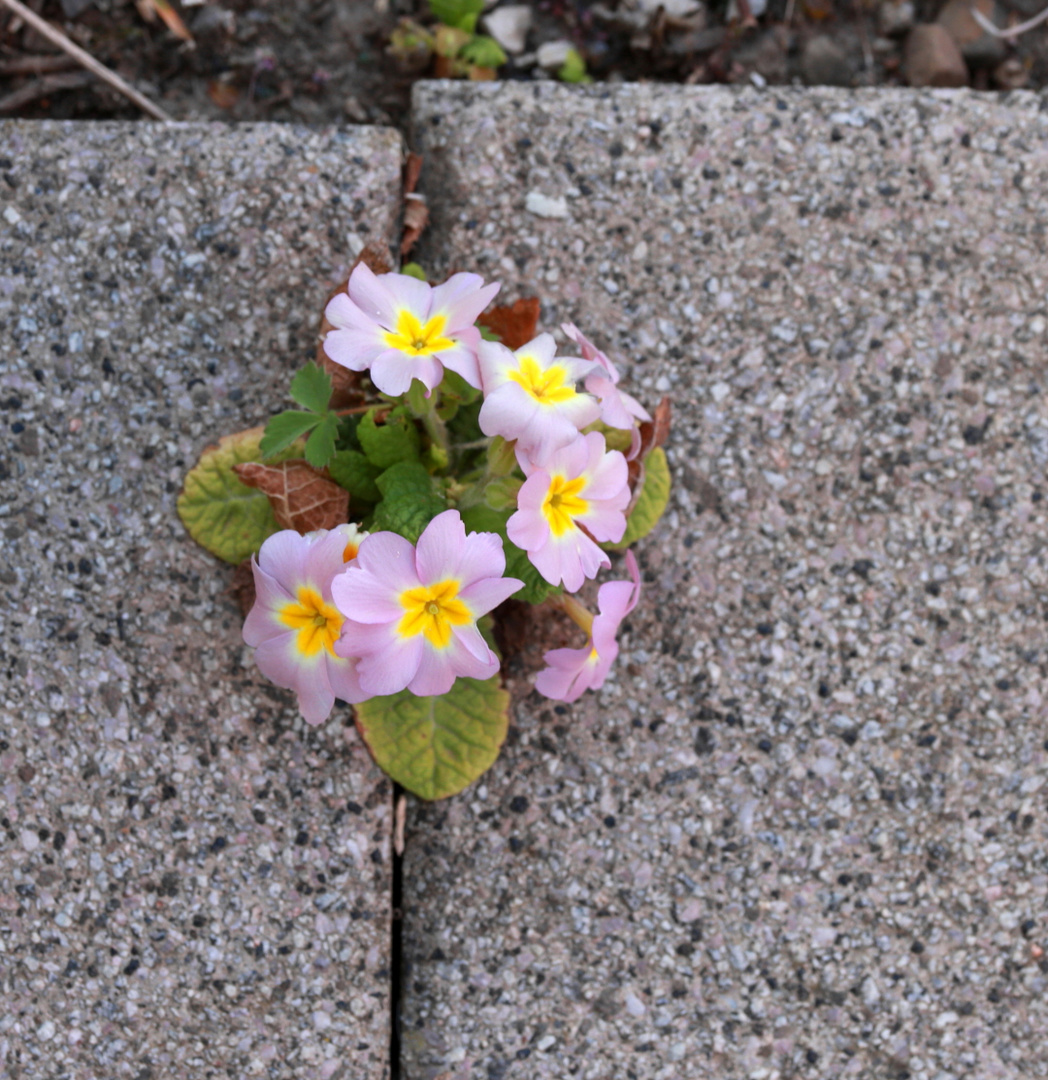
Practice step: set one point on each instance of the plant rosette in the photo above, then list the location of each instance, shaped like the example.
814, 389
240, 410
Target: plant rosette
473, 466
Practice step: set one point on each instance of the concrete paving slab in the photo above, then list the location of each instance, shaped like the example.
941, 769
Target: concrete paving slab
192, 882
802, 833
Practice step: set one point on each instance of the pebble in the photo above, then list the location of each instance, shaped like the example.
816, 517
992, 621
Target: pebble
824, 63
895, 18
978, 48
931, 58
553, 54
509, 26
546, 206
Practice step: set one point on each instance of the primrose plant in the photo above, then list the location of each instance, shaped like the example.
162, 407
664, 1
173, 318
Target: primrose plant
444, 461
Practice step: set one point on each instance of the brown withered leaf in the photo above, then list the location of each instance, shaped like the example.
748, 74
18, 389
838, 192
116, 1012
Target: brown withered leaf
653, 433
412, 169
416, 215
662, 421
514, 323
242, 588
346, 390
302, 498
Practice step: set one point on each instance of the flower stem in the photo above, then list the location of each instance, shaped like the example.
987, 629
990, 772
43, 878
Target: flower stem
425, 409
574, 610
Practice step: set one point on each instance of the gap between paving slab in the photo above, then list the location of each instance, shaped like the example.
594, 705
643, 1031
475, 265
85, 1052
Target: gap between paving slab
801, 831
192, 881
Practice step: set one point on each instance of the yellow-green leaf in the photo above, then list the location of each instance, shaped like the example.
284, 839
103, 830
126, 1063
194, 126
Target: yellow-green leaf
652, 502
436, 746
223, 515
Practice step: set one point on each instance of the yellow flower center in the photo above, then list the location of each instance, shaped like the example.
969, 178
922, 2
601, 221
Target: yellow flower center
413, 338
433, 610
319, 624
562, 504
548, 386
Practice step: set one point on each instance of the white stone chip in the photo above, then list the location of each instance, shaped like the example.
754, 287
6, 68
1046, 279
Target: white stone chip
546, 206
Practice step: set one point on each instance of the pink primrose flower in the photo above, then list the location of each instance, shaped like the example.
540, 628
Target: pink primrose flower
617, 408
411, 612
580, 487
294, 623
572, 672
530, 396
401, 329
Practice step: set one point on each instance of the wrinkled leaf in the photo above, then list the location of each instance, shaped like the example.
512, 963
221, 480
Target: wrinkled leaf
320, 448
573, 69
514, 323
483, 51
650, 504
284, 428
301, 498
536, 588
351, 470
388, 443
462, 14
502, 494
410, 500
436, 746
222, 514
311, 388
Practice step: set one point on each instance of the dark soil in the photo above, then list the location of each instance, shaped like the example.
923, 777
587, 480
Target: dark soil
326, 61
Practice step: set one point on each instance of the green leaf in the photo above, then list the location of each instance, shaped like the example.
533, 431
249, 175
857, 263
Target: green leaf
483, 51
311, 388
389, 443
486, 334
459, 13
412, 269
347, 432
223, 515
502, 494
536, 588
502, 456
351, 470
436, 746
574, 69
410, 500
455, 387
652, 502
321, 446
284, 428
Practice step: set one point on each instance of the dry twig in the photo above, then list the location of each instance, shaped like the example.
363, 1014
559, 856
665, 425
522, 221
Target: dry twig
38, 88
1009, 31
85, 59
35, 65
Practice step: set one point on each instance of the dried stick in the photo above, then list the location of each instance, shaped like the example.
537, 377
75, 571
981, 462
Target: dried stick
38, 88
35, 65
1009, 31
56, 37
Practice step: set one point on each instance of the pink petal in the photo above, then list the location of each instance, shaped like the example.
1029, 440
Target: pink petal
462, 359
528, 527
463, 297
393, 665
608, 479
354, 349
495, 361
323, 562
391, 559
366, 598
482, 557
315, 696
482, 596
440, 548
435, 674
373, 296
471, 649
343, 314
562, 679
393, 371
508, 410
345, 682
607, 524
281, 555
407, 292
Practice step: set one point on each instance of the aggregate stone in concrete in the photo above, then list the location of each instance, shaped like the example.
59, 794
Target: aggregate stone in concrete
802, 831
193, 883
